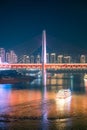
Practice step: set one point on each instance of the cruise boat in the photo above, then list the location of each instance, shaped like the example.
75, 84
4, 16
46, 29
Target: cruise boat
63, 94
85, 77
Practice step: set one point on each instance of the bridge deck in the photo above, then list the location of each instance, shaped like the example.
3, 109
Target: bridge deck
75, 66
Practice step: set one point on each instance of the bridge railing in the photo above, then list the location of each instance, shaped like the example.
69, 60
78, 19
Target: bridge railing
47, 66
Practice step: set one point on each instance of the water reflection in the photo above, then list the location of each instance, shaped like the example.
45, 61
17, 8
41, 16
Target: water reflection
27, 101
63, 106
5, 92
85, 84
71, 83
44, 109
44, 104
63, 109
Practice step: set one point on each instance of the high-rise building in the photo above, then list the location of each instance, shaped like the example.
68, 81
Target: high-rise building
2, 54
82, 59
47, 56
53, 58
25, 59
15, 59
67, 59
38, 59
60, 58
7, 57
11, 57
31, 59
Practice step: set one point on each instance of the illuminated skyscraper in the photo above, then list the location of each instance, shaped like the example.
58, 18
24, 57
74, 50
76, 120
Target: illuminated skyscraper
7, 57
53, 58
38, 59
11, 57
82, 59
2, 54
31, 59
67, 59
60, 58
25, 59
47, 57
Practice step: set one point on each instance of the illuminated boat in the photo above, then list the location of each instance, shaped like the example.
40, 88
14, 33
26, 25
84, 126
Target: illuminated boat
63, 94
85, 77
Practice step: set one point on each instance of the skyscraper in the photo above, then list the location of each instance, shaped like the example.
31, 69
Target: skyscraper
60, 58
82, 59
67, 59
25, 59
38, 59
7, 57
32, 59
47, 57
11, 57
2, 54
53, 58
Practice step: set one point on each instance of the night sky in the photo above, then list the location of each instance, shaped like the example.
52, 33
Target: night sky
22, 23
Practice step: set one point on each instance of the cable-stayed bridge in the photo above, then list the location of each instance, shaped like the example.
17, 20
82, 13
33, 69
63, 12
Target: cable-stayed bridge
48, 66
55, 67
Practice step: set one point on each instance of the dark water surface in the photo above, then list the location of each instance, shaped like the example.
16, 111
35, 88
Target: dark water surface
31, 106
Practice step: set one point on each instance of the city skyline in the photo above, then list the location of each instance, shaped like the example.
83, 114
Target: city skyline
22, 23
52, 57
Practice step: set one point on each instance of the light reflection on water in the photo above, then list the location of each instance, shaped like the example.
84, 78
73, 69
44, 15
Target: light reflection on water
39, 102
44, 109
5, 91
63, 104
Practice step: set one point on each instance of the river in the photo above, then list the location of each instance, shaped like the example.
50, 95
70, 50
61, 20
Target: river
32, 106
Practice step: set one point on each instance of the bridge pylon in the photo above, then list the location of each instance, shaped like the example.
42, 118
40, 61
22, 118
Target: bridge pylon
44, 57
